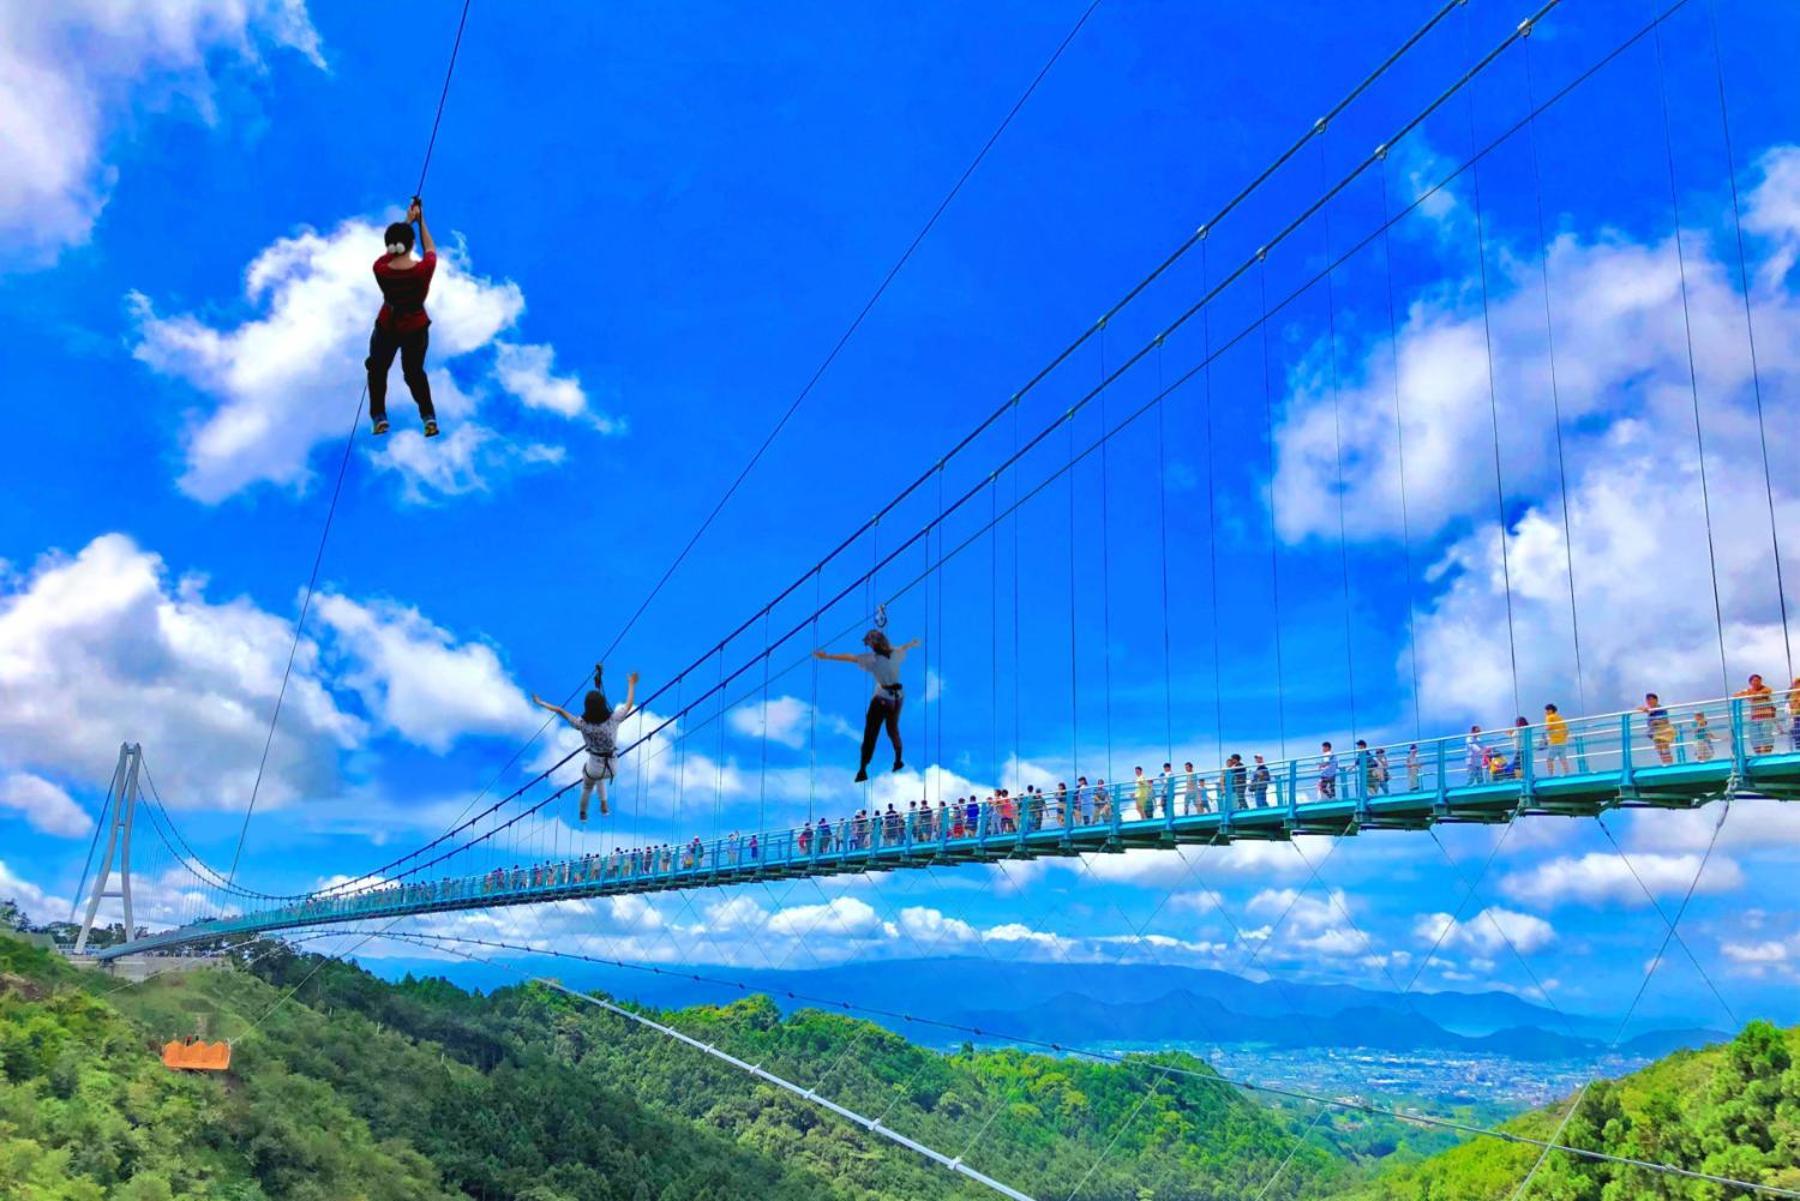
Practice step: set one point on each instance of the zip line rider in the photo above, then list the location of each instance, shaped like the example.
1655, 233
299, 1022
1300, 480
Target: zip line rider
882, 660
402, 325
599, 729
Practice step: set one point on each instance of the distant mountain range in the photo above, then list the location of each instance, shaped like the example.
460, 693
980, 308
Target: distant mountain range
1083, 1005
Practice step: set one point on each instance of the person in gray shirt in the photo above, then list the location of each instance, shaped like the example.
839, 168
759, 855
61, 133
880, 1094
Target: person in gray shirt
882, 661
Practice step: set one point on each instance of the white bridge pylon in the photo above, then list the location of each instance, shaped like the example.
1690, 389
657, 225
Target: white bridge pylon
121, 804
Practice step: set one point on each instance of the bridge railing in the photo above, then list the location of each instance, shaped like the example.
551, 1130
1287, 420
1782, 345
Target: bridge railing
1341, 785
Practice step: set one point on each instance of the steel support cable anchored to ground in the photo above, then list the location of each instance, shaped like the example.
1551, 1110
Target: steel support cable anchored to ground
872, 1125
667, 931
1257, 948
1681, 942
285, 997
1500, 929
1066, 420
337, 487
1233, 203
1214, 1077
1314, 874
1636, 999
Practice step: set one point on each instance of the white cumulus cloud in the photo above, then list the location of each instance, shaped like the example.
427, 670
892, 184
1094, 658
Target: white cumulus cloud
787, 720
527, 372
275, 386
416, 678
1487, 933
43, 805
1600, 878
1637, 531
69, 70
104, 648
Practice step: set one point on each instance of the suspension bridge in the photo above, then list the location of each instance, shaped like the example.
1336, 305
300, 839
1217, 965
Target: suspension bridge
1612, 761
967, 511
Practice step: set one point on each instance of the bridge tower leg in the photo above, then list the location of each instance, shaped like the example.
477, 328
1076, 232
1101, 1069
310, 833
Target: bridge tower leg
121, 802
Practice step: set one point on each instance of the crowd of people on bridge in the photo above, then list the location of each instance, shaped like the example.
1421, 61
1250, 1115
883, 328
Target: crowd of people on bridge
1549, 746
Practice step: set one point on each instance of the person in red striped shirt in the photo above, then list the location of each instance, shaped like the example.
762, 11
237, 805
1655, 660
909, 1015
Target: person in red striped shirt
403, 327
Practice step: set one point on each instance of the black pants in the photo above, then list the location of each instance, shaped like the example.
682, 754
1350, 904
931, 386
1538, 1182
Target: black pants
883, 710
411, 347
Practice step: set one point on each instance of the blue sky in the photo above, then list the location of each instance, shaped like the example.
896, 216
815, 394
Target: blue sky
659, 223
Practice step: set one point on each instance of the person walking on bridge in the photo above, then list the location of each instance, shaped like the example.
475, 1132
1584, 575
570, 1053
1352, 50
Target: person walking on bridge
882, 661
1661, 729
1556, 742
1793, 700
1761, 714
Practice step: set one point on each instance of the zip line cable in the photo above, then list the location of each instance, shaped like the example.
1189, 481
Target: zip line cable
1225, 210
812, 382
856, 322
872, 1125
1260, 323
337, 487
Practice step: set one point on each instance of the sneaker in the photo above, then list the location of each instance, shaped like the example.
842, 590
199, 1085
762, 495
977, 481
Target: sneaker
899, 766
431, 429
584, 812
381, 427
862, 775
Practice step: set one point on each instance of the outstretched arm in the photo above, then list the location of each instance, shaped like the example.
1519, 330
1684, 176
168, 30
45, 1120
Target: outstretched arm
916, 642
630, 695
833, 657
417, 213
561, 712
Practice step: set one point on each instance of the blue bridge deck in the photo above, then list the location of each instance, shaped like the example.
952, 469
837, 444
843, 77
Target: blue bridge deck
1622, 760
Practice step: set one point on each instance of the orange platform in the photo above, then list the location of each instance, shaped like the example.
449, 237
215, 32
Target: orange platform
195, 1056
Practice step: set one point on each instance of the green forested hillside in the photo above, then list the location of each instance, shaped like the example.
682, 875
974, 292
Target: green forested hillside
363, 1089
1732, 1110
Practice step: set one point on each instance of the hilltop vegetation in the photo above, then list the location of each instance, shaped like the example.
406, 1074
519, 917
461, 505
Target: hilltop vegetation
365, 1090
1731, 1110
357, 1088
